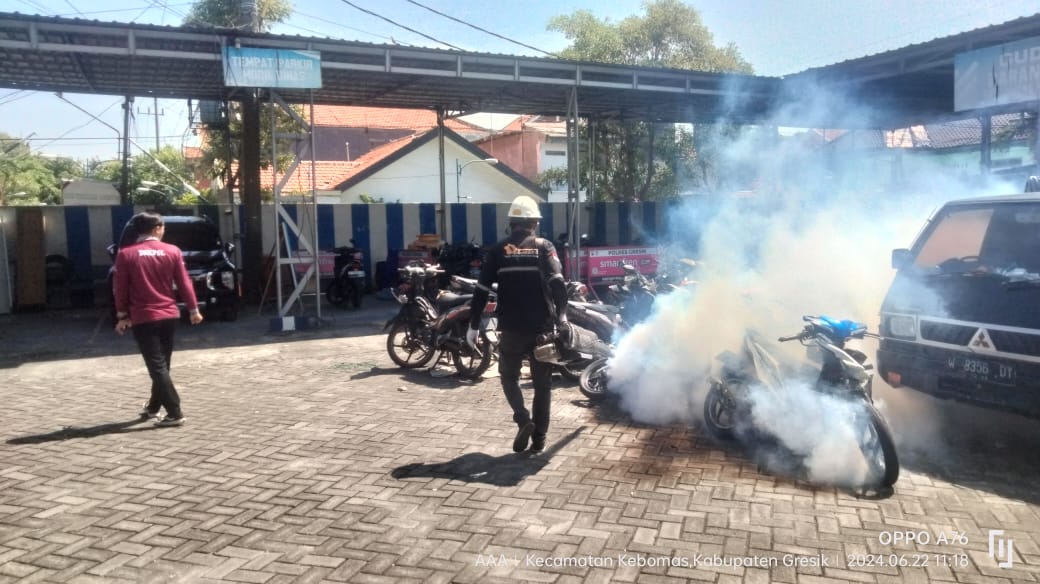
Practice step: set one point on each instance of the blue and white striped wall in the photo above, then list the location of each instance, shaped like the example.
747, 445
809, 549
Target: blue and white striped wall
83, 233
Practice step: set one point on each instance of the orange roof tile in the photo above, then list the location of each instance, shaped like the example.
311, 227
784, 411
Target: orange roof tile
347, 116
329, 173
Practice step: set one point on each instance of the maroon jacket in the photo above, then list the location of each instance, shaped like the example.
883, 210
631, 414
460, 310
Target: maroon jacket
145, 275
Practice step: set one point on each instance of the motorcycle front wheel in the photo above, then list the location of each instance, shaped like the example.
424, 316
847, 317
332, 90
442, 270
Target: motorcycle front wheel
879, 449
719, 413
406, 348
593, 380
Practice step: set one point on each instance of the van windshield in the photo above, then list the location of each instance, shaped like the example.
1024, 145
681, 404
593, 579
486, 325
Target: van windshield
996, 239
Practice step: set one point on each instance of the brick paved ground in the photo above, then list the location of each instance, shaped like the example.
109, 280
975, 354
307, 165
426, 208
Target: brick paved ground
309, 457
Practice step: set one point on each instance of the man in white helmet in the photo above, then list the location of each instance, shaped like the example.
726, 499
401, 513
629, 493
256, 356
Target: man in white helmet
532, 299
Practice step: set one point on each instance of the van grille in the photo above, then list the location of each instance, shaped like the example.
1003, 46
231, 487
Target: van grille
1020, 343
952, 334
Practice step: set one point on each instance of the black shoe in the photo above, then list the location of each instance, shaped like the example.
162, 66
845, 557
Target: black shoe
537, 444
522, 436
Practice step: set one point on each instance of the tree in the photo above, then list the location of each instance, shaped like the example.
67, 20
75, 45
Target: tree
225, 13
221, 148
144, 171
27, 178
637, 160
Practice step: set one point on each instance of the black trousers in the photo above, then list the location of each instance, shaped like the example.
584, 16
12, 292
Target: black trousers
512, 349
155, 340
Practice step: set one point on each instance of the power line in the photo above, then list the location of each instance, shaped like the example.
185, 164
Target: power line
73, 6
38, 146
334, 23
473, 26
397, 24
115, 10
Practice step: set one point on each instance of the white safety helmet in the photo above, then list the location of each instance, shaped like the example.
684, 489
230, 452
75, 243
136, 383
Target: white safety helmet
524, 207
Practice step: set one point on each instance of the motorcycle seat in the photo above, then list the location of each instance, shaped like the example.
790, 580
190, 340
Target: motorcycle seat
451, 299
608, 309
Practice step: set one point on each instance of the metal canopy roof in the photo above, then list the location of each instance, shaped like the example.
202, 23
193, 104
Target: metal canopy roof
55, 54
914, 84
908, 85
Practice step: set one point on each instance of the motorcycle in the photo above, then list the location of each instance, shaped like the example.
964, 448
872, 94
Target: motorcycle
844, 373
348, 282
433, 322
592, 328
633, 300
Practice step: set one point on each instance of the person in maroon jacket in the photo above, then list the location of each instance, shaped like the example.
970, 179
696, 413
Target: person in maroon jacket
149, 275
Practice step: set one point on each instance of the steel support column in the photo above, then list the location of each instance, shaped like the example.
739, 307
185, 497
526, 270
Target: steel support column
574, 183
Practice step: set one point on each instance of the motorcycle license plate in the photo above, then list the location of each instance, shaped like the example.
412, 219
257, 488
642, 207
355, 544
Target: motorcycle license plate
983, 370
355, 274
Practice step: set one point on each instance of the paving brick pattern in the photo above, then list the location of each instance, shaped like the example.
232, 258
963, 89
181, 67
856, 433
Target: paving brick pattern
311, 458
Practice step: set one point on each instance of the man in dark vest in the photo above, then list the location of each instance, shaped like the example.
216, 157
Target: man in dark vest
532, 300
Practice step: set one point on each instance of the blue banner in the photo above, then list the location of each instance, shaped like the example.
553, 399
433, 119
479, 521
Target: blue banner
278, 68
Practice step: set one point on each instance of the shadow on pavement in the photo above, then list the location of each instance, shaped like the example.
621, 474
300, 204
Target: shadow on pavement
507, 470
71, 432
77, 333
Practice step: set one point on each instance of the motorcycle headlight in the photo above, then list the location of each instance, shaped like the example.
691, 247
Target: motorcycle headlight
902, 326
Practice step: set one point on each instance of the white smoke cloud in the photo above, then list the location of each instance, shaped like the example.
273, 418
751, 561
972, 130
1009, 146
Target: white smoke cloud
808, 242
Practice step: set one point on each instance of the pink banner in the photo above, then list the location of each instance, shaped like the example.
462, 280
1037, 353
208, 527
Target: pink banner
604, 264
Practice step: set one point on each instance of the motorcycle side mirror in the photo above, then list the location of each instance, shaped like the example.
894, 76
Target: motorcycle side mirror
900, 258
111, 250
229, 247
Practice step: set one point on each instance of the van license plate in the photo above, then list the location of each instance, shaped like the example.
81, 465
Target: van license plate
983, 370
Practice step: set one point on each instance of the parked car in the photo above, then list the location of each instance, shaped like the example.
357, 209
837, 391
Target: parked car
961, 319
207, 258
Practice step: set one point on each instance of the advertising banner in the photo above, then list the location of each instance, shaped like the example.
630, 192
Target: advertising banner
604, 264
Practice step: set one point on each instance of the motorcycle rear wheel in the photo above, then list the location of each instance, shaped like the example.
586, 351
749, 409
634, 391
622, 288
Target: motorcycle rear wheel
472, 364
593, 380
719, 413
336, 293
879, 449
406, 349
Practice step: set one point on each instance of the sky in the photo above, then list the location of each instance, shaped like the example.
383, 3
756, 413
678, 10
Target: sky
776, 37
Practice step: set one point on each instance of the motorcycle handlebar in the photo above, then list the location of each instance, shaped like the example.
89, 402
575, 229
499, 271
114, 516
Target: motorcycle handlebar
785, 339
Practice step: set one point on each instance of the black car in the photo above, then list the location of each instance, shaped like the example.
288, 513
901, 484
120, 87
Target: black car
207, 258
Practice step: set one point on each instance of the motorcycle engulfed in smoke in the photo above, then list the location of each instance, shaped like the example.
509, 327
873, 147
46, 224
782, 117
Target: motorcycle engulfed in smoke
754, 400
433, 321
633, 301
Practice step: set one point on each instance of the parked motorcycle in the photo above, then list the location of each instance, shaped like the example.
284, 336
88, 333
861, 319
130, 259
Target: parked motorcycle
633, 300
844, 374
433, 322
348, 282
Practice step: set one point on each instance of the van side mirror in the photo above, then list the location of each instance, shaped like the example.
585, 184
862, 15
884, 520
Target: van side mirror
900, 258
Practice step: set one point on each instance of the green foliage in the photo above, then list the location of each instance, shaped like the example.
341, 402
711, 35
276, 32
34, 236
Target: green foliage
149, 183
222, 146
224, 13
552, 179
370, 200
31, 179
641, 160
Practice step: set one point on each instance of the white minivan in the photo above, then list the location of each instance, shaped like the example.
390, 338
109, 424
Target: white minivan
961, 319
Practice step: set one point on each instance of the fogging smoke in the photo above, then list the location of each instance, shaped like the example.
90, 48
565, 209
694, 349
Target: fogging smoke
806, 243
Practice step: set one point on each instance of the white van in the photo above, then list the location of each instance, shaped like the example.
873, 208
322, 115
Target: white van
962, 317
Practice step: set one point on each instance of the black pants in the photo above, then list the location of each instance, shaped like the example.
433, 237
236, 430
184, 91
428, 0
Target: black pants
512, 349
155, 340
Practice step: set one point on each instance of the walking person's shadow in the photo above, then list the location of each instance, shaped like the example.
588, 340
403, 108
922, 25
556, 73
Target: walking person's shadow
70, 432
507, 470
